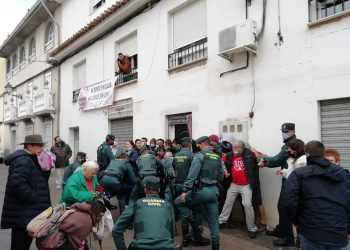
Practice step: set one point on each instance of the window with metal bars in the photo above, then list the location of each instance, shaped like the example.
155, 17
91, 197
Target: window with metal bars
319, 9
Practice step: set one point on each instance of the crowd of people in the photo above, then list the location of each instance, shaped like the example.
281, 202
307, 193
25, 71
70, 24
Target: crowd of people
162, 181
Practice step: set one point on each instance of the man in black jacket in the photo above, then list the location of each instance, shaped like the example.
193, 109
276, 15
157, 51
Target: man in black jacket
27, 191
317, 200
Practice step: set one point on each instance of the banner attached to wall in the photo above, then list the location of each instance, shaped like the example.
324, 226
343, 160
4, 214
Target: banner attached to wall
96, 95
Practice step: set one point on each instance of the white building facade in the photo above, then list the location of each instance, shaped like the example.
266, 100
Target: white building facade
30, 105
297, 71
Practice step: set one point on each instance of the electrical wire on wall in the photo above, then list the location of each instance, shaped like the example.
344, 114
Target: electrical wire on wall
251, 114
279, 33
263, 22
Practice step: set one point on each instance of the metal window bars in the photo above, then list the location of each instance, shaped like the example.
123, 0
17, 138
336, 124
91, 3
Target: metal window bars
319, 9
127, 77
188, 53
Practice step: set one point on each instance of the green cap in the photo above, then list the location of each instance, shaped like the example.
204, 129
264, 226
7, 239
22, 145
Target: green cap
186, 139
152, 182
202, 139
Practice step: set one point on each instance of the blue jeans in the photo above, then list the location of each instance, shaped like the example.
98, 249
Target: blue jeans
311, 245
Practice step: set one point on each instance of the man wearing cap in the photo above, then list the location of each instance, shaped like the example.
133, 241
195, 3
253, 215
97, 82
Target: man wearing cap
215, 143
280, 160
152, 219
79, 160
207, 171
27, 191
104, 152
118, 172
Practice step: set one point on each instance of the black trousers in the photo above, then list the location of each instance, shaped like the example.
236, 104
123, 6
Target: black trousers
20, 240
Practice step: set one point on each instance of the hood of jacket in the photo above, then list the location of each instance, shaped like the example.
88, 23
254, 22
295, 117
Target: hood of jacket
18, 153
82, 207
318, 165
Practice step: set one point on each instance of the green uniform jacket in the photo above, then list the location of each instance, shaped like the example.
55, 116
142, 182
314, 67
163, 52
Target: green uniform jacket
76, 189
195, 169
104, 155
154, 224
279, 160
69, 171
120, 166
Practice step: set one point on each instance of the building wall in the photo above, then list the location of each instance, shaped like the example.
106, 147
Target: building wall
2, 84
34, 72
288, 80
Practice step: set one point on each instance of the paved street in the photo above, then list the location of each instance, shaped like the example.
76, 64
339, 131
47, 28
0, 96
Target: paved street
230, 238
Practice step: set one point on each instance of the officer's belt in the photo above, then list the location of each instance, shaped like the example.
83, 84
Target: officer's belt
209, 185
118, 176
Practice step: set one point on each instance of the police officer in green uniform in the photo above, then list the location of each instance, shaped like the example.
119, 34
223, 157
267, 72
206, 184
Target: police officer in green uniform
280, 160
148, 166
118, 172
79, 160
207, 171
104, 152
153, 220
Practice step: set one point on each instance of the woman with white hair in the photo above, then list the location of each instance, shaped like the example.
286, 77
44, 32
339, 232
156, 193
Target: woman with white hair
81, 186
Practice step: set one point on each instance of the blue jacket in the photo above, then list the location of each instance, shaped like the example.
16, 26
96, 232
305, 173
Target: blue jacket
317, 199
27, 190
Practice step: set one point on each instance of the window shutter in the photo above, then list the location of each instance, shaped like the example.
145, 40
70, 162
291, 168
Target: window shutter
81, 75
190, 24
128, 46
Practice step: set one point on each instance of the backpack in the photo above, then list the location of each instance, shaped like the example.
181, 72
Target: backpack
47, 160
48, 221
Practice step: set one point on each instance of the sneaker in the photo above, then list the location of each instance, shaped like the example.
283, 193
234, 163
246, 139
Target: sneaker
252, 234
261, 228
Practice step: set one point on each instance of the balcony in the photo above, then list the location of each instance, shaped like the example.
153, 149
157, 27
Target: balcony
125, 78
188, 54
43, 103
10, 114
49, 45
15, 71
25, 109
31, 58
8, 76
322, 9
22, 65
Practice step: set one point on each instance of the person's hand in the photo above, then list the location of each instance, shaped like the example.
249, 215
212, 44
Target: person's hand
183, 197
279, 172
261, 163
227, 174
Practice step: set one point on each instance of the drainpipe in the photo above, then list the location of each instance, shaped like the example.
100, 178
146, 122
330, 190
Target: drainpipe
58, 70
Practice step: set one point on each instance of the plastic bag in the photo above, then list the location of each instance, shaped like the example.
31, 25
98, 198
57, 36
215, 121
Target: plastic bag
105, 227
47, 160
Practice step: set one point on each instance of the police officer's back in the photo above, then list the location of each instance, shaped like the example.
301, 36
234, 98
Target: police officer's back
104, 152
153, 220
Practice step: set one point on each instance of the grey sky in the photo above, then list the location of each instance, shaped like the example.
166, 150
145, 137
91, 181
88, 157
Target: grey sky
11, 13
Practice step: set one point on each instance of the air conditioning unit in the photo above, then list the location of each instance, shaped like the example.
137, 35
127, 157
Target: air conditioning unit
237, 39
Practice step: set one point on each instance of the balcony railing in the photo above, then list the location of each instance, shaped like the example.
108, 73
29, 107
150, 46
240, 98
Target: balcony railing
43, 102
22, 65
319, 9
188, 54
31, 58
49, 45
76, 95
25, 108
10, 114
8, 75
15, 71
127, 77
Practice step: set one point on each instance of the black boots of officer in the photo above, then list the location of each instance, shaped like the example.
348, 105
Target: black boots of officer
186, 236
198, 239
215, 246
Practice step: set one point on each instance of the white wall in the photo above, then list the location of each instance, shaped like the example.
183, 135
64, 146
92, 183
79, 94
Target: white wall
311, 65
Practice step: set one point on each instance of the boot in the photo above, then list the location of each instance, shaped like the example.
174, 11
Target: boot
186, 237
198, 239
215, 246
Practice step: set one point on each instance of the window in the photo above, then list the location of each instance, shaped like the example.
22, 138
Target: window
95, 4
237, 129
189, 34
8, 69
128, 47
79, 81
48, 80
22, 58
32, 50
14, 64
49, 35
319, 9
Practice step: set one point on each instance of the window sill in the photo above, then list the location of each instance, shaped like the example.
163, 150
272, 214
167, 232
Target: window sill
328, 19
126, 83
187, 66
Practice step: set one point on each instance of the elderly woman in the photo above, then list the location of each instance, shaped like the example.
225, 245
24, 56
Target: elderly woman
81, 186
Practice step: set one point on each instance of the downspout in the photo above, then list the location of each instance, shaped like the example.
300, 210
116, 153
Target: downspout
58, 69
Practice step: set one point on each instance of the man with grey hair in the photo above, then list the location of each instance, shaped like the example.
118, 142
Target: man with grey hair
243, 169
